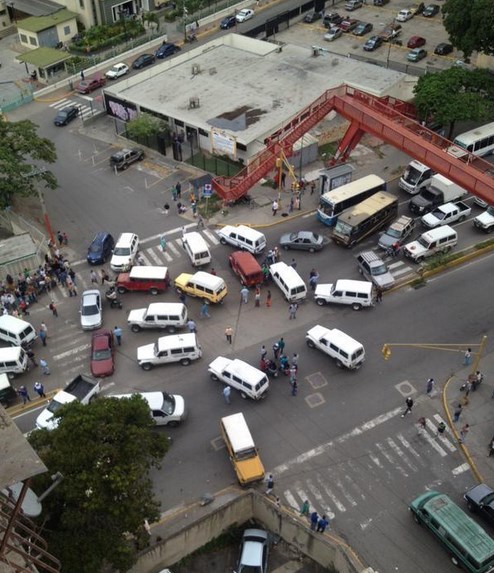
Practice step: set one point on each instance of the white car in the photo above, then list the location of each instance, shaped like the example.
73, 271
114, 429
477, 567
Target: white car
245, 14
117, 71
333, 34
91, 317
404, 15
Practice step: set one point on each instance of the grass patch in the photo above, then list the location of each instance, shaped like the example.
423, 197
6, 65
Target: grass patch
327, 150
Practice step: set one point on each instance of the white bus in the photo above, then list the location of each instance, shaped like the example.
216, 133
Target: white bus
479, 141
334, 203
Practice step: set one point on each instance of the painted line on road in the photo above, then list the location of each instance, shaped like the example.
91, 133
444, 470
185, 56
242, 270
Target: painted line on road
71, 352
461, 469
385, 453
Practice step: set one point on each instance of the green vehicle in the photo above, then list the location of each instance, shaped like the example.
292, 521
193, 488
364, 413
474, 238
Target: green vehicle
467, 543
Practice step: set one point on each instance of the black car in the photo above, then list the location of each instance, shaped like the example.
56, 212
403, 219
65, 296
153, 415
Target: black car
480, 499
143, 60
101, 248
373, 43
66, 115
228, 22
443, 49
362, 29
431, 10
332, 19
166, 50
312, 16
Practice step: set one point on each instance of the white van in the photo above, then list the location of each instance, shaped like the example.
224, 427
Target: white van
125, 252
160, 315
355, 293
243, 237
181, 348
290, 282
13, 360
165, 409
247, 379
347, 352
195, 246
439, 240
15, 331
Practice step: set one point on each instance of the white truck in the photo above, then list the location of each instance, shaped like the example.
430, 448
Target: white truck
165, 409
82, 389
416, 177
485, 221
439, 191
446, 214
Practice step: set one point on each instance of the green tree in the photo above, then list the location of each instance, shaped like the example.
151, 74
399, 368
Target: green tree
151, 19
470, 25
104, 452
22, 153
145, 126
454, 95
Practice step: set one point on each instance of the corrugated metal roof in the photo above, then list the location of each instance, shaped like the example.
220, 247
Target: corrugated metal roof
39, 23
37, 7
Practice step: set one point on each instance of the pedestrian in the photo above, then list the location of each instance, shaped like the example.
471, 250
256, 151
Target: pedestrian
23, 393
476, 380
409, 406
313, 279
290, 206
60, 238
295, 360
181, 297
276, 350
268, 299
305, 508
193, 206
205, 310
270, 482
491, 447
200, 223
53, 308
430, 387
244, 292
294, 386
212, 272
65, 238
71, 287
441, 428
163, 243
39, 389
312, 187
174, 194
275, 207
226, 394
277, 502
379, 294
44, 366
30, 355
421, 425
463, 433
263, 352
322, 524
292, 310
191, 325
457, 413
178, 189
314, 518
94, 277
117, 332
257, 297
281, 345
293, 264
283, 179
166, 208
297, 204
467, 357
43, 333
82, 75
104, 276
229, 334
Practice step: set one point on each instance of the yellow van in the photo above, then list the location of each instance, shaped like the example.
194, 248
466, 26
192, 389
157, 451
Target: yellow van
203, 285
241, 449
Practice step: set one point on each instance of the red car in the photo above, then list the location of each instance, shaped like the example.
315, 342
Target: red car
91, 84
348, 24
102, 348
415, 42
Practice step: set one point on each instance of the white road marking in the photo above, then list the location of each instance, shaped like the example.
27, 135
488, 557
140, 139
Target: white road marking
211, 236
290, 499
385, 452
145, 259
71, 352
408, 446
150, 252
174, 249
444, 439
461, 469
331, 496
399, 452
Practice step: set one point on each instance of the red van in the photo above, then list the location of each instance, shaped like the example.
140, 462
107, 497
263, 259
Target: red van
141, 278
246, 267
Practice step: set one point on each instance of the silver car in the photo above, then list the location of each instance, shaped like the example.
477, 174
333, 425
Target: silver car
303, 241
397, 232
91, 317
253, 552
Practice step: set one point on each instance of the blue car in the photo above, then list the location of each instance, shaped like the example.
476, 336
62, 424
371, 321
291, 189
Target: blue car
101, 248
228, 22
166, 50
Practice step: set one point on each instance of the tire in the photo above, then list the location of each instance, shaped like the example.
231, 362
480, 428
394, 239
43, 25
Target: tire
173, 424
446, 250
135, 328
146, 366
10, 375
223, 241
185, 361
214, 377
461, 219
489, 230
416, 519
310, 343
121, 290
171, 329
455, 561
153, 291
339, 363
286, 247
243, 395
419, 259
312, 250
356, 306
320, 301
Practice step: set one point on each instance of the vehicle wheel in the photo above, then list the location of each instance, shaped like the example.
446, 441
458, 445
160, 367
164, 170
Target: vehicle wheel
286, 247
339, 364
124, 166
461, 219
171, 329
121, 290
356, 306
446, 250
172, 424
470, 507
141, 158
185, 361
223, 241
10, 375
320, 301
135, 328
455, 561
153, 291
214, 377
243, 395
146, 366
310, 343
416, 519
489, 230
361, 271
312, 250
419, 259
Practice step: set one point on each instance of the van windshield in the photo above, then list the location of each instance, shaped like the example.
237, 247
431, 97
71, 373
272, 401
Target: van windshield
246, 454
168, 403
121, 251
423, 241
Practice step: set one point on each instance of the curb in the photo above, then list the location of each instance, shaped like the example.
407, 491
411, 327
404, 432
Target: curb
22, 408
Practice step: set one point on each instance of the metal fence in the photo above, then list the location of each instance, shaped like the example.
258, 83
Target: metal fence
214, 165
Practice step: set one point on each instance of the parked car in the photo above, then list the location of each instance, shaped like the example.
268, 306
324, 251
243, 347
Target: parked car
480, 499
417, 8
332, 19
351, 5
416, 55
333, 34
312, 16
348, 24
100, 249
431, 10
102, 358
253, 552
66, 115
166, 50
404, 15
390, 32
303, 241
143, 60
125, 157
397, 232
117, 71
90, 311
91, 84
245, 14
373, 43
363, 28
416, 42
228, 22
443, 49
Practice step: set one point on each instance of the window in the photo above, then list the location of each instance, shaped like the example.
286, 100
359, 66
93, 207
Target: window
81, 4
334, 348
33, 41
237, 379
176, 351
188, 350
66, 30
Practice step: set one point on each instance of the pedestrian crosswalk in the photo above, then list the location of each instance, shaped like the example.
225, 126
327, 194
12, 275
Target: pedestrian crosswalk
341, 475
399, 267
85, 111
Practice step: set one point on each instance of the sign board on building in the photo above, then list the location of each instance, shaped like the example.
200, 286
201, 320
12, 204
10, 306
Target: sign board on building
223, 144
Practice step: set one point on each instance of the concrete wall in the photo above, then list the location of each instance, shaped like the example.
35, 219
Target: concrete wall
191, 528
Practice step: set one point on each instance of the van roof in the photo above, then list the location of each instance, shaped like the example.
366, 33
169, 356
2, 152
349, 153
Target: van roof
148, 272
154, 399
238, 432
173, 340
10, 353
350, 284
195, 240
125, 238
159, 307
247, 260
337, 336
205, 278
245, 370
289, 273
243, 230
14, 324
439, 233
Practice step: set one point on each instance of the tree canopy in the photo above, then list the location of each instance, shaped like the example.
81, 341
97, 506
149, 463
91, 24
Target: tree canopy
455, 94
104, 452
22, 157
470, 25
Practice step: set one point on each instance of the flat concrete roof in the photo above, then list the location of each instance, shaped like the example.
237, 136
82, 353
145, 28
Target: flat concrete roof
16, 248
248, 87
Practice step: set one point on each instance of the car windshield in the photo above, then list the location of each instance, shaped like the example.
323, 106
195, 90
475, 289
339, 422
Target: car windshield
168, 404
89, 310
394, 233
63, 113
490, 210
379, 270
102, 354
122, 251
95, 248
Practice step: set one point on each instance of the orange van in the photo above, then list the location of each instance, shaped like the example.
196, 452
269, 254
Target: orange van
246, 267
